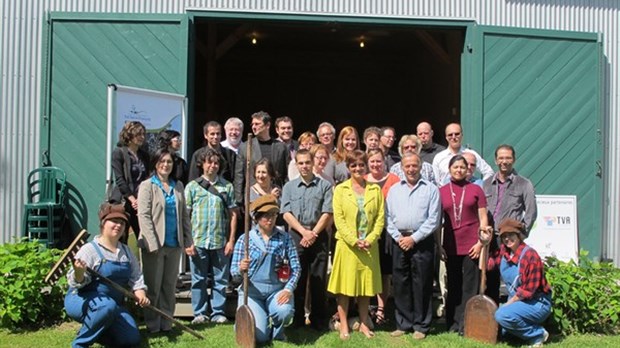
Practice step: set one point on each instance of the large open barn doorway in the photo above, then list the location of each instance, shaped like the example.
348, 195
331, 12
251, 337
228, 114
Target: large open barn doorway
319, 71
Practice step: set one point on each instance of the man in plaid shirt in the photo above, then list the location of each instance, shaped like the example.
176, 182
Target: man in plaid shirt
211, 202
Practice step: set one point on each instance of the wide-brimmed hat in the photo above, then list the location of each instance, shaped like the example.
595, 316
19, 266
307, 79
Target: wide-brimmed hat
511, 225
109, 211
265, 204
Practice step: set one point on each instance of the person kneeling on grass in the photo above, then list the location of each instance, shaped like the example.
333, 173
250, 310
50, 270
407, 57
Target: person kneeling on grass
273, 270
529, 293
96, 305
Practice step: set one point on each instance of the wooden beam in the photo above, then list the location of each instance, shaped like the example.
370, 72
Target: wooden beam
231, 40
434, 47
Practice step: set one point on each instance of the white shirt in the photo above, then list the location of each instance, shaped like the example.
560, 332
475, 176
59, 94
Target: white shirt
226, 144
442, 160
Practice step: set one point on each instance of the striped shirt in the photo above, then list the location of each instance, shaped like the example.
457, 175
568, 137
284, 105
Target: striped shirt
210, 221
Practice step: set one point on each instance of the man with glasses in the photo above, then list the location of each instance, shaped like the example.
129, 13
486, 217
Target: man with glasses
410, 143
429, 149
454, 135
509, 196
388, 136
326, 134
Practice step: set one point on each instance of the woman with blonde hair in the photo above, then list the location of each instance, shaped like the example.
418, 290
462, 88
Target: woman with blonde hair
348, 141
306, 140
411, 143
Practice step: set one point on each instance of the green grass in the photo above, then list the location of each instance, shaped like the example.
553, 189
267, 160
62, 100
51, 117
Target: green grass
222, 336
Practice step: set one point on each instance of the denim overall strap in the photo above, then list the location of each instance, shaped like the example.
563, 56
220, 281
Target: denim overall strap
510, 273
118, 272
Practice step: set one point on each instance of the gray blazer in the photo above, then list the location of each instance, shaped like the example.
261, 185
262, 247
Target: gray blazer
152, 217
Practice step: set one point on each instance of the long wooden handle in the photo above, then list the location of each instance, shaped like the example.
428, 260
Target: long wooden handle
246, 201
484, 255
131, 295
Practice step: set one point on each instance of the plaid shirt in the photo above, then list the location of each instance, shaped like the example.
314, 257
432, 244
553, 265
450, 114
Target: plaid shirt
531, 270
210, 223
279, 245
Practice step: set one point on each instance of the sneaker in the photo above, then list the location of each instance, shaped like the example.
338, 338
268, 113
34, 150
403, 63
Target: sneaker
219, 319
419, 335
541, 342
201, 319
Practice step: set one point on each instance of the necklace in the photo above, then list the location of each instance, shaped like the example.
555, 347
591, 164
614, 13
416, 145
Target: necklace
458, 213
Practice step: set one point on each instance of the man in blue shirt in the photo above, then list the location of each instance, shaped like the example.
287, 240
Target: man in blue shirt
307, 209
413, 213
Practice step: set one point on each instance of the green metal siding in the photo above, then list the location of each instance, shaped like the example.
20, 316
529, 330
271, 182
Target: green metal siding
539, 91
86, 54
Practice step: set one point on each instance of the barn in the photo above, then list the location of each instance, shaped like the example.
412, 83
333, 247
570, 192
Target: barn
539, 74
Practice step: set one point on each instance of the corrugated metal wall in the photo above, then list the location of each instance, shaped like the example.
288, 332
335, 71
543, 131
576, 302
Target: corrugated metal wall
20, 86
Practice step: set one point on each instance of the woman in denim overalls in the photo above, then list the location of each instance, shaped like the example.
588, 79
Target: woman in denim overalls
529, 293
93, 303
273, 270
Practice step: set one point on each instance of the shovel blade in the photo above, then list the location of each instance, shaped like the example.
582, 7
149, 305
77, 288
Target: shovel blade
480, 324
244, 327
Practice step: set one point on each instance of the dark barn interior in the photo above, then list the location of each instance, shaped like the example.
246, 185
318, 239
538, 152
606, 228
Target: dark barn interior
318, 71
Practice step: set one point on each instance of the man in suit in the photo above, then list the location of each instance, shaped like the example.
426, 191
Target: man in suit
284, 129
263, 145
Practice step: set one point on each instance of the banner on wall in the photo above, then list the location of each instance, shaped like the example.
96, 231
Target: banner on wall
157, 110
555, 231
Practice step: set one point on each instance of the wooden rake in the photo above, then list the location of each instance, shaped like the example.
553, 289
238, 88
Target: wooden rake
67, 259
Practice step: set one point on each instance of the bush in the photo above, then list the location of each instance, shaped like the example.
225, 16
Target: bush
586, 296
25, 298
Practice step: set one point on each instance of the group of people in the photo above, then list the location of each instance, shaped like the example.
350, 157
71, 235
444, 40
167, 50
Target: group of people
392, 215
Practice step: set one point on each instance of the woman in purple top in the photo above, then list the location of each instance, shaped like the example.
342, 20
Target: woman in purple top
465, 213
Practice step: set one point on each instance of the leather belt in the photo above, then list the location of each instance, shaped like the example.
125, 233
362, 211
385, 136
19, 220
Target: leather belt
406, 233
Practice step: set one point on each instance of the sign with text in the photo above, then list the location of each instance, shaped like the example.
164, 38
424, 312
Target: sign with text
555, 231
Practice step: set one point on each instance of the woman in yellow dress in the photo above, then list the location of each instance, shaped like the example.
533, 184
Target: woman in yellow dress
359, 220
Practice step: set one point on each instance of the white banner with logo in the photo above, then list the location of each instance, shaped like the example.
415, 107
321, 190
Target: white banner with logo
156, 110
555, 231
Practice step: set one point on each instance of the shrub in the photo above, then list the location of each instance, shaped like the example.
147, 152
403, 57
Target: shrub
25, 298
586, 296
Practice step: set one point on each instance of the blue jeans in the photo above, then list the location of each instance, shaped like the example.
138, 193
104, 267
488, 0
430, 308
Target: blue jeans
103, 320
270, 317
204, 261
524, 319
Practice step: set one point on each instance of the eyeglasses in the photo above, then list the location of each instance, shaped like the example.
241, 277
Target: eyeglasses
326, 134
270, 216
453, 135
389, 136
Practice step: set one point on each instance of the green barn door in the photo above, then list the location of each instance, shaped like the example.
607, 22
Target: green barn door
540, 91
86, 52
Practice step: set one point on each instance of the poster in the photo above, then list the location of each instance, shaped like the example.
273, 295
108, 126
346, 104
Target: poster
555, 231
157, 110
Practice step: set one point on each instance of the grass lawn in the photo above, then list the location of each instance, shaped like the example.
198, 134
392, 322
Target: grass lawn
222, 336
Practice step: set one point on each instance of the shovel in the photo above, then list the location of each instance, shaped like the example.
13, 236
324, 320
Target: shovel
244, 319
480, 324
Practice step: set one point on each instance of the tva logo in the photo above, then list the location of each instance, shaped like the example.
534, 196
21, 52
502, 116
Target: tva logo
556, 220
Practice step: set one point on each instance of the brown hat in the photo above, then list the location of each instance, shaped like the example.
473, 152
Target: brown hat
510, 225
265, 204
110, 211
